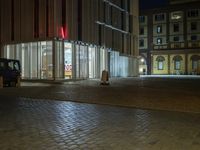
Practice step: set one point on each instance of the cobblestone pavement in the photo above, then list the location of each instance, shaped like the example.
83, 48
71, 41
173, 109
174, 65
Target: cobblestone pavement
28, 124
174, 94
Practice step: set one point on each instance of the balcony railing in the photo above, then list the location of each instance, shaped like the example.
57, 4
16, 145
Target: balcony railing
177, 45
160, 46
193, 44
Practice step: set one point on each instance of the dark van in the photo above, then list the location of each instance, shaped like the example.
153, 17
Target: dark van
10, 70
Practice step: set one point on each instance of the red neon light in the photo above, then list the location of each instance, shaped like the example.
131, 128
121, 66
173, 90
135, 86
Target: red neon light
62, 33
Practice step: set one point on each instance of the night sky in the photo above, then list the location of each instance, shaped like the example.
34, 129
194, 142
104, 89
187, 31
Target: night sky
148, 4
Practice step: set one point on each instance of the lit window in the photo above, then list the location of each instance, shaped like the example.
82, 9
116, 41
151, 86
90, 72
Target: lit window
177, 64
176, 15
159, 41
194, 64
159, 29
160, 62
160, 65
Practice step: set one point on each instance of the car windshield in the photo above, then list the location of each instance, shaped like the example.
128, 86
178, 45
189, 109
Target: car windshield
13, 65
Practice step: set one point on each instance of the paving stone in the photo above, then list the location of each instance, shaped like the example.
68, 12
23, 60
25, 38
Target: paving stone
38, 124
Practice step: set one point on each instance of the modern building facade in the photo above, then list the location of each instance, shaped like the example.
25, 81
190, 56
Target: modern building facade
64, 39
169, 40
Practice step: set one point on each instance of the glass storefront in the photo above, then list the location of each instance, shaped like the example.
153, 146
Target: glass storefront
66, 60
35, 57
103, 60
93, 62
120, 66
81, 61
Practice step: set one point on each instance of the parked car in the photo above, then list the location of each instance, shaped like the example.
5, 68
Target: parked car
10, 70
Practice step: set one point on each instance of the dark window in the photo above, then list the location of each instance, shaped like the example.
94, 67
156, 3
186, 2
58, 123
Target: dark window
193, 37
159, 17
80, 20
111, 15
123, 4
159, 29
36, 18
130, 23
176, 39
176, 27
141, 19
128, 5
47, 18
193, 26
159, 40
100, 35
193, 13
141, 31
141, 43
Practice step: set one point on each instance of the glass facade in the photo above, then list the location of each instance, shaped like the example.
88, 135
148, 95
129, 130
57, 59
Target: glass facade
66, 60
120, 65
35, 57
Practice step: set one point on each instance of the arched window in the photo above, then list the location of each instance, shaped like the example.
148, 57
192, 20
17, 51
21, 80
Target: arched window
195, 59
160, 62
177, 62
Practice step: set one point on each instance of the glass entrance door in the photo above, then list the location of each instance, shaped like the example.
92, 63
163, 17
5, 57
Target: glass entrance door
68, 60
92, 52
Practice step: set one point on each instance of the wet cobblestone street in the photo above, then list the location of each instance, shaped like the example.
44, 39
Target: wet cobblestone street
28, 124
129, 114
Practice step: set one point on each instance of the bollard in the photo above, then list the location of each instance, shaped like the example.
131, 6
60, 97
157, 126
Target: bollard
1, 82
104, 78
18, 84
